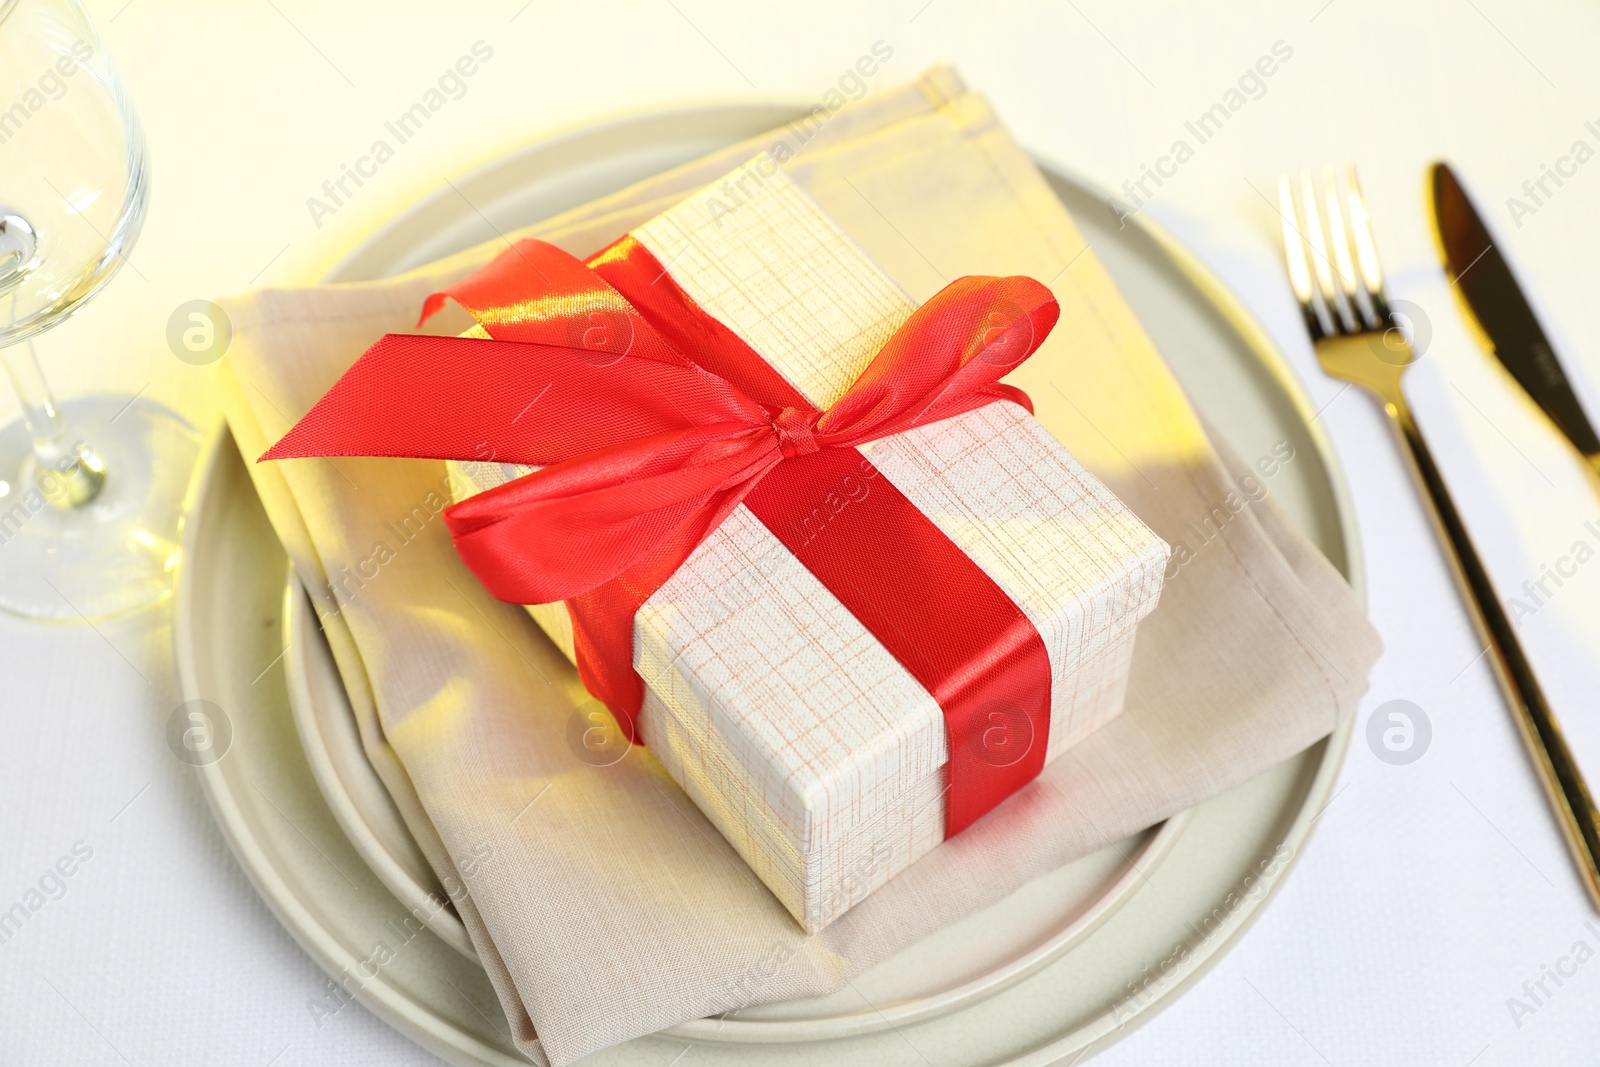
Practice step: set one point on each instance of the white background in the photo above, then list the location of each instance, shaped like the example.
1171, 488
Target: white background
1431, 891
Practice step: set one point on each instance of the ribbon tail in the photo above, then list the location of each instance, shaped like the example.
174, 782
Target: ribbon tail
536, 404
603, 618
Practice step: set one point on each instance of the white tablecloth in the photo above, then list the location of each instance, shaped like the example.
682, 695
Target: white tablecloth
1433, 890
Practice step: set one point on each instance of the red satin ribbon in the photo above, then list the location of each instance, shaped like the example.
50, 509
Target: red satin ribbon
652, 421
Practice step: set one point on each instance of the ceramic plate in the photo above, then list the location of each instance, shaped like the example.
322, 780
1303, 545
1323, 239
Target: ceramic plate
1061, 967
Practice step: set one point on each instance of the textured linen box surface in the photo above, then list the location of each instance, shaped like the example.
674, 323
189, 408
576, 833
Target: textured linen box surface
813, 751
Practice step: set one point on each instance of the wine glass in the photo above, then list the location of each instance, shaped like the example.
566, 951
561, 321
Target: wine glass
91, 490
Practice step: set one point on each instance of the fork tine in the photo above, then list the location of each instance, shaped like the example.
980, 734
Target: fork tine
1361, 297
1294, 252
1366, 250
1294, 249
1315, 236
1341, 264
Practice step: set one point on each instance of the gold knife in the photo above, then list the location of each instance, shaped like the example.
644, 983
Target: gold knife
1495, 303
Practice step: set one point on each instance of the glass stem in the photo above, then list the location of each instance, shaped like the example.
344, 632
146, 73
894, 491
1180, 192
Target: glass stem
65, 469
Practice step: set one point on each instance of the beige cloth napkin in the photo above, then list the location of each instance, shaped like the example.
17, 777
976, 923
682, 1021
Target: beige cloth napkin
609, 907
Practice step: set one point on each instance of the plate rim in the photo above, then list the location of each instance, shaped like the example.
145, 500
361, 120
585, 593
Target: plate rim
380, 996
1093, 1035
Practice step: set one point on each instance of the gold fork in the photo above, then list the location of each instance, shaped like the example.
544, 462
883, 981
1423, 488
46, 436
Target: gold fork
1358, 340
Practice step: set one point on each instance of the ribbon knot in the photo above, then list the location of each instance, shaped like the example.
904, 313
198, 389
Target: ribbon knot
797, 432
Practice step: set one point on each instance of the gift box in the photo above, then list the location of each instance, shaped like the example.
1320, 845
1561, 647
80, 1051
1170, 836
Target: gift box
818, 755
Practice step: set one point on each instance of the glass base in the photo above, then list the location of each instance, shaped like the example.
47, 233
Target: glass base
114, 554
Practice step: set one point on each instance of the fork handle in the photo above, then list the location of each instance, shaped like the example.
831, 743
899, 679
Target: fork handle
1552, 759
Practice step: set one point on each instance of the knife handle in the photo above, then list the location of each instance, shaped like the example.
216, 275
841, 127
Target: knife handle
1557, 770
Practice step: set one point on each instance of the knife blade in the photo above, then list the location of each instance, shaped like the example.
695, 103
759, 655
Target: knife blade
1496, 302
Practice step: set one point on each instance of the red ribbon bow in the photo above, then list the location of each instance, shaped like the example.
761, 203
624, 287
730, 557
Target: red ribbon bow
651, 421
